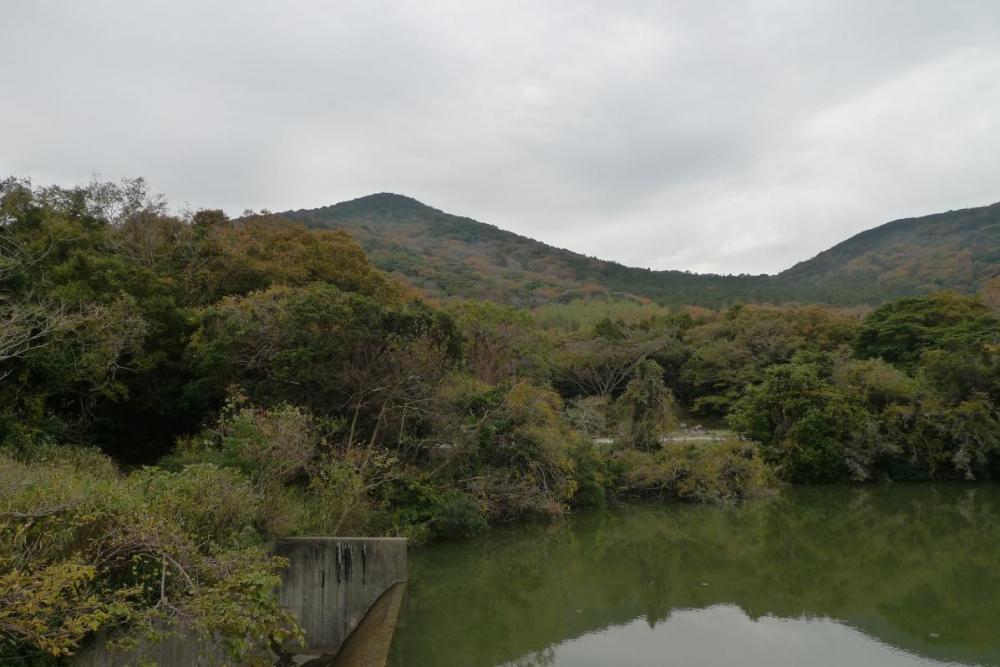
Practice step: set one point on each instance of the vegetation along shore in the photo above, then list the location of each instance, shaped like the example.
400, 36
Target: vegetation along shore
177, 389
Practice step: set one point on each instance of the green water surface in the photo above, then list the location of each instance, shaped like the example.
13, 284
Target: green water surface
895, 575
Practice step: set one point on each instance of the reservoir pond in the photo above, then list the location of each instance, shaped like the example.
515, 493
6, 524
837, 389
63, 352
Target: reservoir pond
899, 575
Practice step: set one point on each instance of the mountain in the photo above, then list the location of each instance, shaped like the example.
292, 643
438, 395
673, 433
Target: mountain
957, 250
449, 256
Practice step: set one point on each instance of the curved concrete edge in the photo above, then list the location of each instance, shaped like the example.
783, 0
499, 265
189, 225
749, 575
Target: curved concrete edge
368, 645
331, 583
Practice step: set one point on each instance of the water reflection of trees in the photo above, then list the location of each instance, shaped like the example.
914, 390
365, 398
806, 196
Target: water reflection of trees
897, 562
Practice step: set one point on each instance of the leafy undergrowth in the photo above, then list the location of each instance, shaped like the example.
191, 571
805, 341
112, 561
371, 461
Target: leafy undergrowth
85, 549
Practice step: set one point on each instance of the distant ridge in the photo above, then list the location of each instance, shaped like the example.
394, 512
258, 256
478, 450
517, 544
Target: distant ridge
453, 256
957, 250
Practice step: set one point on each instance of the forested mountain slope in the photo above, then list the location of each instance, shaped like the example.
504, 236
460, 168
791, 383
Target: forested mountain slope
448, 255
957, 250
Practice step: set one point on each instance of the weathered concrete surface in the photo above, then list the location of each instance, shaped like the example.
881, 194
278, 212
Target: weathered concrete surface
332, 582
368, 645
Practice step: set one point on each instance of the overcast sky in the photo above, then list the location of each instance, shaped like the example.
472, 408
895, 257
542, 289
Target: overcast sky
712, 136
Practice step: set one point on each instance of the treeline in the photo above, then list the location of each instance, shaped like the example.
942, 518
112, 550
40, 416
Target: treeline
909, 390
175, 389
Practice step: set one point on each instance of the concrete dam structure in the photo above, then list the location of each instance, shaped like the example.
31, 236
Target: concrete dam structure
345, 592
331, 583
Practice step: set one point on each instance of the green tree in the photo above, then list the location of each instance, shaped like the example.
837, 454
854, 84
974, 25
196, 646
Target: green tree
801, 421
500, 343
646, 407
902, 330
340, 354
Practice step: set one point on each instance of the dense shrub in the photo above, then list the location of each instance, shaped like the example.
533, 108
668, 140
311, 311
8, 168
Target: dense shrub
512, 447
902, 330
270, 446
867, 419
801, 421
84, 549
726, 471
457, 515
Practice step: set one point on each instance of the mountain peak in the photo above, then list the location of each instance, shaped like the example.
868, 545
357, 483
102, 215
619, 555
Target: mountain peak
386, 198
379, 204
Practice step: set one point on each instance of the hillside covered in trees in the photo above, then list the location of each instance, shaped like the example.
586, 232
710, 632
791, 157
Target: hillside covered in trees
178, 389
957, 250
451, 256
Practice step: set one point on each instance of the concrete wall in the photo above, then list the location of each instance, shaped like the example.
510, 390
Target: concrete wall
330, 584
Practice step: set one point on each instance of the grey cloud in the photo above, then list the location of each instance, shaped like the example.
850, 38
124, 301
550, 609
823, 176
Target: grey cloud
721, 136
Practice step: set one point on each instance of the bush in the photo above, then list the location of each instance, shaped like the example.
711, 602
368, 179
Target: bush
590, 475
86, 549
340, 494
589, 415
271, 447
801, 421
457, 515
646, 407
727, 472
513, 447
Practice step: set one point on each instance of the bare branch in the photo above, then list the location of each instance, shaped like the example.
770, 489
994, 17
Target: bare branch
27, 326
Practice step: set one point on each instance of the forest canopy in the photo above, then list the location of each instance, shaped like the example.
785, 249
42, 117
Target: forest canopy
151, 360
